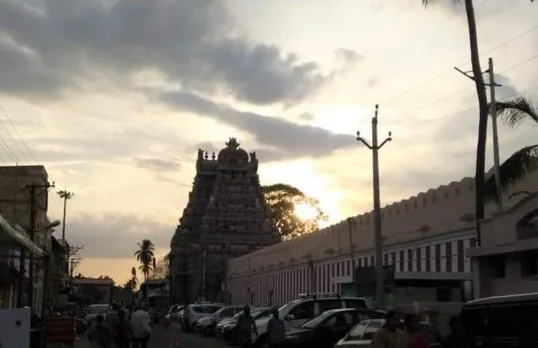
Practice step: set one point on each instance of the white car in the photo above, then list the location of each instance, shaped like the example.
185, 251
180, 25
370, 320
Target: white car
194, 312
173, 309
297, 312
207, 325
362, 334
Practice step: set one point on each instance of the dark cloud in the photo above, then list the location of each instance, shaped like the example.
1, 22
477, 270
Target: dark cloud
158, 164
115, 235
63, 42
291, 140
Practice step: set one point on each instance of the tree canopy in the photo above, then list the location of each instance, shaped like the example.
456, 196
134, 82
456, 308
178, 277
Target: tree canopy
281, 200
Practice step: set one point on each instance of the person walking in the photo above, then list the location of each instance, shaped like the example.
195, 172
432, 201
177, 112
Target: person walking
390, 335
276, 330
245, 326
140, 325
99, 333
174, 328
122, 331
416, 338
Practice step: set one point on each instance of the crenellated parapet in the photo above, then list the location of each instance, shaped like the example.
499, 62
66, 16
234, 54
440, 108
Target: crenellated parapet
428, 214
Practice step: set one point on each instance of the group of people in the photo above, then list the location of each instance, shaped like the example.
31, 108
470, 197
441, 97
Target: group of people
120, 329
394, 335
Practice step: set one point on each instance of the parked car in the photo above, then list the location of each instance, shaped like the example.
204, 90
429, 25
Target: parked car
173, 309
207, 325
227, 330
194, 312
362, 334
297, 312
327, 328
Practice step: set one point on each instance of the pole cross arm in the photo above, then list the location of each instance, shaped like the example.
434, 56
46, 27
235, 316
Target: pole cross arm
385, 141
359, 138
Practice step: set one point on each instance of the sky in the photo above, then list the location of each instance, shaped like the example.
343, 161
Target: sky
115, 98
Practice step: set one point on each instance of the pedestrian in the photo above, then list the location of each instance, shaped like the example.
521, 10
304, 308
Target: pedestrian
390, 335
245, 326
140, 325
174, 328
457, 338
122, 331
276, 330
99, 333
416, 338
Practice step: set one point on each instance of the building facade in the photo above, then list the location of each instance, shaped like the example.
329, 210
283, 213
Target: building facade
506, 261
16, 207
426, 238
225, 217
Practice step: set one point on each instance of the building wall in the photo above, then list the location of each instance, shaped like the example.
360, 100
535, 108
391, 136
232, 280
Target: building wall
435, 227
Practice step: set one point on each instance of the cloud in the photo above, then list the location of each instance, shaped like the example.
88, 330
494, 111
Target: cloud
293, 140
64, 43
116, 236
307, 116
158, 164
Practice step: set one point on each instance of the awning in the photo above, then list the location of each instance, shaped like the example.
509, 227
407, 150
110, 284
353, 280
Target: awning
19, 237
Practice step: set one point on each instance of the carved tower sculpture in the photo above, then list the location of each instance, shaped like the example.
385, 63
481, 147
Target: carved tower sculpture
225, 217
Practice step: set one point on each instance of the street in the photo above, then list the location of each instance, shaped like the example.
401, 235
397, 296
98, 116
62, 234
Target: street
159, 339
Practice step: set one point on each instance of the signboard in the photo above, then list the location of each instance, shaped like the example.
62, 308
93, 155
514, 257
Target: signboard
364, 278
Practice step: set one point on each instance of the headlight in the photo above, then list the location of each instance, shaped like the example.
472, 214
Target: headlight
227, 328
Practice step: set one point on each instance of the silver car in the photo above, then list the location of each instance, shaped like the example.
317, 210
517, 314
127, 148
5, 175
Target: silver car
194, 312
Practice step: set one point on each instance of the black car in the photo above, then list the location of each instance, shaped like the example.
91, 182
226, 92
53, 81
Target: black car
327, 328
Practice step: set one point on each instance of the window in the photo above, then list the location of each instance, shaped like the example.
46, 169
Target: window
303, 311
325, 305
529, 264
226, 313
357, 332
369, 315
339, 320
355, 303
371, 330
498, 267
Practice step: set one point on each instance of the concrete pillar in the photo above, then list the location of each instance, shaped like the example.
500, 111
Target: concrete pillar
481, 277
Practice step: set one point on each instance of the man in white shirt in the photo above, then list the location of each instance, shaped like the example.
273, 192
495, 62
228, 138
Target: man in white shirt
140, 325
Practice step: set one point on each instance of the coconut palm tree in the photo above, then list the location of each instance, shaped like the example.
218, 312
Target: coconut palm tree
145, 255
483, 110
513, 113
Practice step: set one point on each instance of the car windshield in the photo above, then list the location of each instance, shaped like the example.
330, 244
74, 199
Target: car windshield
317, 320
205, 309
98, 309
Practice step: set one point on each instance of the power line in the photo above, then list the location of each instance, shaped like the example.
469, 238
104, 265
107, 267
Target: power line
17, 132
450, 71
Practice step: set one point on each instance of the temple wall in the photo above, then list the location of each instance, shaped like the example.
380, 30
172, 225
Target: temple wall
428, 215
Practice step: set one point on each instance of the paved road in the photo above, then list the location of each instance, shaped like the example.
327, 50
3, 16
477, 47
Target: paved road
159, 339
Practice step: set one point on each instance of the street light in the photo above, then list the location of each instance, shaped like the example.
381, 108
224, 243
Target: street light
53, 224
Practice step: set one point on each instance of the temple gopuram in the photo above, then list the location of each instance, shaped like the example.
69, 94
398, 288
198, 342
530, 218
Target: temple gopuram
226, 217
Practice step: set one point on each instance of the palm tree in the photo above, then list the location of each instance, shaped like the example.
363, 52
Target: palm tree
513, 113
478, 78
145, 255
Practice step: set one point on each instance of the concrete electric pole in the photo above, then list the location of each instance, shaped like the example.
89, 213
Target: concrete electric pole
493, 112
378, 240
33, 221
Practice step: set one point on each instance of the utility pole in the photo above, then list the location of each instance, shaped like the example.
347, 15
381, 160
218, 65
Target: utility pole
350, 224
378, 236
65, 195
33, 220
493, 112
204, 275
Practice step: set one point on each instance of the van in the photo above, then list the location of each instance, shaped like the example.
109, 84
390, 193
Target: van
502, 321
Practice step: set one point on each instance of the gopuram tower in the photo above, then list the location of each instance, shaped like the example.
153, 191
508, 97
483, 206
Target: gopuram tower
225, 217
